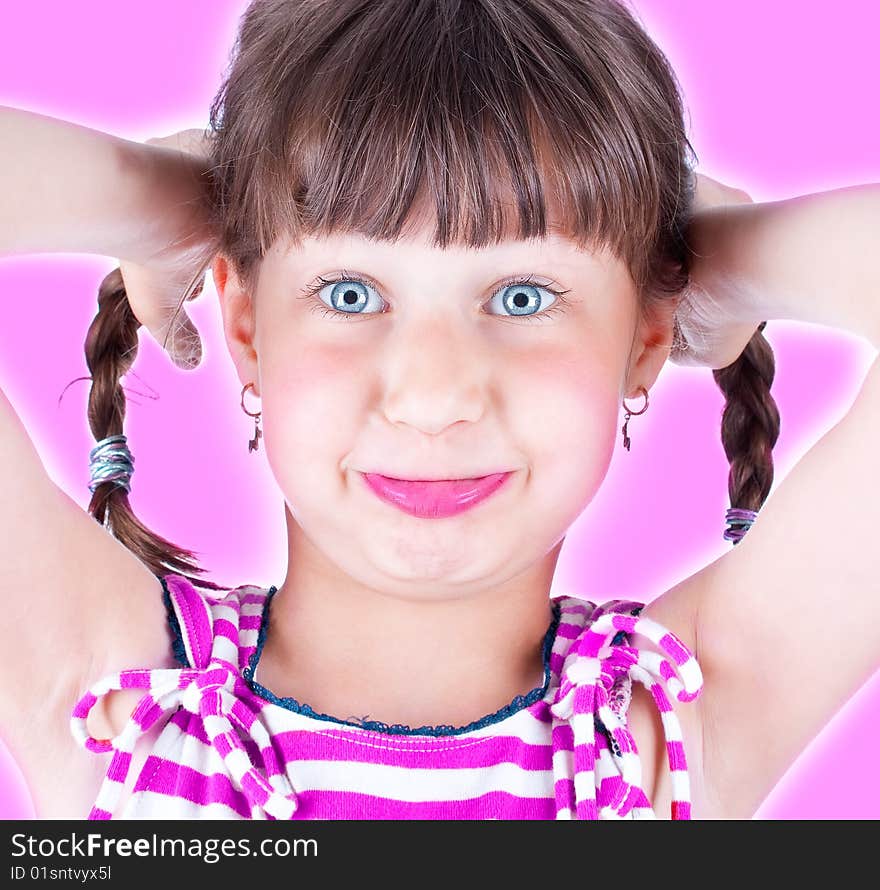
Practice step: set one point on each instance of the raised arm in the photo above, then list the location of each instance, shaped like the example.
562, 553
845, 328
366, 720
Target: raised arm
71, 189
76, 602
808, 258
787, 624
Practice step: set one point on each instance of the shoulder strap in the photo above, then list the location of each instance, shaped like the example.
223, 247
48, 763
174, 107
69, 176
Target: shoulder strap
191, 622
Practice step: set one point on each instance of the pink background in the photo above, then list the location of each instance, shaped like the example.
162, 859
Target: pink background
782, 100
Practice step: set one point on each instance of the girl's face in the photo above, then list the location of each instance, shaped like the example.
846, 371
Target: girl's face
434, 366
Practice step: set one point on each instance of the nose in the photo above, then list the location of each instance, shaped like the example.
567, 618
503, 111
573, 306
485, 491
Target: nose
435, 375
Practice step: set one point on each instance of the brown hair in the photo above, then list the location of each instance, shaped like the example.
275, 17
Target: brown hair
495, 119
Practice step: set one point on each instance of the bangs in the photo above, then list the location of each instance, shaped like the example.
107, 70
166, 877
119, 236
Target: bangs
482, 126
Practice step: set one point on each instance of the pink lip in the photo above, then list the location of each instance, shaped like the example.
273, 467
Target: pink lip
435, 500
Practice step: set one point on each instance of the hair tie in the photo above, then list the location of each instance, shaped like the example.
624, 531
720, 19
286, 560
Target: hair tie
740, 521
111, 461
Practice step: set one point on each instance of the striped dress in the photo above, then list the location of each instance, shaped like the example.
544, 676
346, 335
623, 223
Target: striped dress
230, 749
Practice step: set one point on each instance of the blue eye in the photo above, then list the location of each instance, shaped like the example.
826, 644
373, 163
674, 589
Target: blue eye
349, 296
523, 299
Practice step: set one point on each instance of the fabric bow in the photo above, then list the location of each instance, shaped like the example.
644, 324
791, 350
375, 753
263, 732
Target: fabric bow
594, 691
215, 694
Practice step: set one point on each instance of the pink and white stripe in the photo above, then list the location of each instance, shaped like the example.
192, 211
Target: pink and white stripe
591, 685
227, 751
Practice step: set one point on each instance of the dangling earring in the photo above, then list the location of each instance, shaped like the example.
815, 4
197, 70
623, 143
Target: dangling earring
254, 443
629, 413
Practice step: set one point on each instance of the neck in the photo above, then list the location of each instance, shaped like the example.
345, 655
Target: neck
356, 653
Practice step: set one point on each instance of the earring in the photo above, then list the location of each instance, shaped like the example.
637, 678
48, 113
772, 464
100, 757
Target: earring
629, 413
254, 443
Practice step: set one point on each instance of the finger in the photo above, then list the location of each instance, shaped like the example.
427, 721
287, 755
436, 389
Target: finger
181, 342
192, 141
197, 142
186, 351
200, 286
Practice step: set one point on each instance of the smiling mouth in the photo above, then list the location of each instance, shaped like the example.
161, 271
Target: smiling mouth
438, 498
431, 479
448, 478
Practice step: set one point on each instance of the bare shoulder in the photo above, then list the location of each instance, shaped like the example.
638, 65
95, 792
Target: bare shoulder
83, 606
676, 610
92, 606
76, 605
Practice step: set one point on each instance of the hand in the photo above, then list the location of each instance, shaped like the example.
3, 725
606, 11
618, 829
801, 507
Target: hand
711, 329
155, 288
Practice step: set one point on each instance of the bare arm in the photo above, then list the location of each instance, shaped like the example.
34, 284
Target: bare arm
808, 258
71, 189
81, 604
786, 623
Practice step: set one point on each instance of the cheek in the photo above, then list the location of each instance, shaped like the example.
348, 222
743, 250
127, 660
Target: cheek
567, 411
557, 407
312, 403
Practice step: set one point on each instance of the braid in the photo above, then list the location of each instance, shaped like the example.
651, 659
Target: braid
750, 423
110, 348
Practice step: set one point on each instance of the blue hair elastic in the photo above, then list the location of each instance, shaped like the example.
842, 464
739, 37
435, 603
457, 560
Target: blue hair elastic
111, 461
740, 521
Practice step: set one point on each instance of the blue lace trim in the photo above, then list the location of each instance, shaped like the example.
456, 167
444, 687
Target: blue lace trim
518, 703
291, 704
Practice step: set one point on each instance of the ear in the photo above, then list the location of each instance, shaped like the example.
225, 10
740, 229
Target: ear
239, 321
651, 347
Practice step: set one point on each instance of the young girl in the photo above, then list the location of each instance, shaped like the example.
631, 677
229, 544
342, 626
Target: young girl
450, 242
